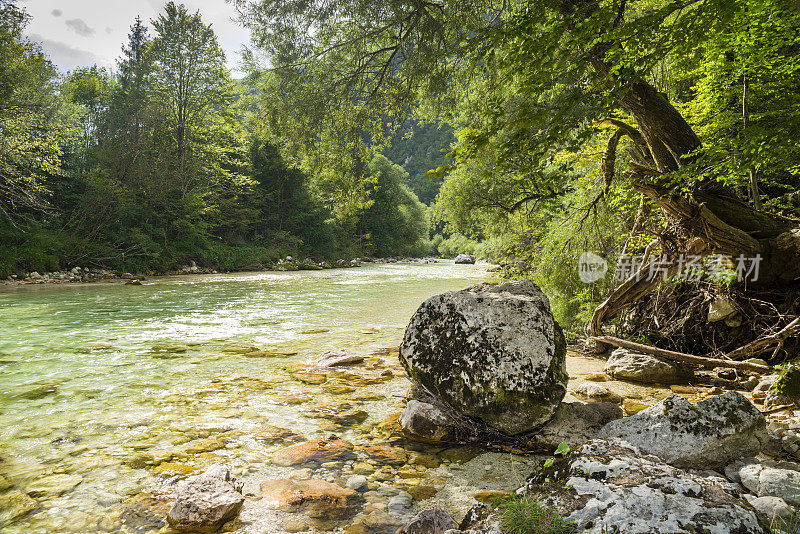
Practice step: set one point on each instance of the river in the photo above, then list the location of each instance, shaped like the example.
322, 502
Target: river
110, 394
95, 376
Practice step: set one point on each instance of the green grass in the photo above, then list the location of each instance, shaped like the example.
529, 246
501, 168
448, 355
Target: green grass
527, 514
790, 524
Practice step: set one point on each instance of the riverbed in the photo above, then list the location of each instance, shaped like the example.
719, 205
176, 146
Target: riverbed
111, 394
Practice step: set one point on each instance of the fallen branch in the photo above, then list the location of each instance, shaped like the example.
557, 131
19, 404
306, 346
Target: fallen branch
778, 409
681, 357
763, 344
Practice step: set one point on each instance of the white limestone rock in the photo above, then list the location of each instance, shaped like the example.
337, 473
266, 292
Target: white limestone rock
700, 436
611, 486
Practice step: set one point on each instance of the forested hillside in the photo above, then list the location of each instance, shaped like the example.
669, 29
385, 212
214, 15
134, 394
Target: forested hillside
419, 149
168, 160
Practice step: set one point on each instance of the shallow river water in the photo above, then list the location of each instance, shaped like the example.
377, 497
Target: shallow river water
110, 394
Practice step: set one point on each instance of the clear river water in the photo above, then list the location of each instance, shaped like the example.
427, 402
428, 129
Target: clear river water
111, 394
95, 379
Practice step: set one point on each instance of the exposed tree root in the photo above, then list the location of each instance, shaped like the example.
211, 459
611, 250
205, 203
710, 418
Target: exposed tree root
675, 317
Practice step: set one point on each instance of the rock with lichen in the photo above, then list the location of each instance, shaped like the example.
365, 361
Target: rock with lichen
493, 353
612, 486
703, 435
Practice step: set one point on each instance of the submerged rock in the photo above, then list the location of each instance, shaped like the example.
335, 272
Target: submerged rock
315, 498
644, 368
207, 501
494, 353
15, 505
703, 435
271, 435
610, 486
53, 486
315, 451
432, 521
595, 392
145, 511
336, 358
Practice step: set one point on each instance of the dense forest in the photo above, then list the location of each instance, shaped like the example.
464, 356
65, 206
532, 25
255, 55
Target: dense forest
524, 132
169, 160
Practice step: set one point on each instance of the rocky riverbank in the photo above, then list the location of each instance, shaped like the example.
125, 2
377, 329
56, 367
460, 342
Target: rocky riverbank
89, 275
345, 442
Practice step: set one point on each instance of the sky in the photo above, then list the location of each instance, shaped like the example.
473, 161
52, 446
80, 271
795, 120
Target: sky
80, 33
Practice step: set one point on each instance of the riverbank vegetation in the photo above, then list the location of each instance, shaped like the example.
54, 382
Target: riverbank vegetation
168, 160
659, 130
524, 132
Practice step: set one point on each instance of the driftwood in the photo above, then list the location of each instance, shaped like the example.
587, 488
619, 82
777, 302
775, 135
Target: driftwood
778, 409
681, 357
763, 344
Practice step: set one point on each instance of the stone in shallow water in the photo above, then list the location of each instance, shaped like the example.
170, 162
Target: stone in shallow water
494, 353
595, 392
239, 349
315, 498
40, 391
171, 469
53, 486
207, 501
295, 525
146, 510
334, 358
703, 435
206, 445
432, 521
5, 483
15, 505
339, 413
386, 455
272, 435
315, 451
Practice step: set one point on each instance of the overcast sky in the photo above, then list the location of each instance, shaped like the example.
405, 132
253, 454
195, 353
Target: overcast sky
77, 33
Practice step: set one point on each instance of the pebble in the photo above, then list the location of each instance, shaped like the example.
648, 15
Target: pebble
356, 482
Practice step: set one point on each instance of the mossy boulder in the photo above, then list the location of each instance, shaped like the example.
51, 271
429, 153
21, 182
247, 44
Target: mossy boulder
492, 353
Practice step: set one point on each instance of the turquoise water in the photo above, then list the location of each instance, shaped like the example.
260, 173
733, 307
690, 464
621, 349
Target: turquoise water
93, 375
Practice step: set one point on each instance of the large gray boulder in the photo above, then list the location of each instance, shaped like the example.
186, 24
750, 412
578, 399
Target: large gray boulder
610, 486
629, 365
468, 259
207, 501
703, 435
493, 353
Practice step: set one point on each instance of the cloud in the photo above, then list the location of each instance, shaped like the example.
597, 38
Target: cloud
109, 31
67, 57
80, 27
56, 12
